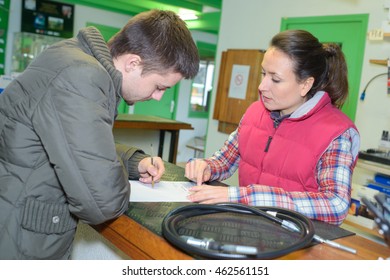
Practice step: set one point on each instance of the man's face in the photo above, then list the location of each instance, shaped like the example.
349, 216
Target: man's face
141, 87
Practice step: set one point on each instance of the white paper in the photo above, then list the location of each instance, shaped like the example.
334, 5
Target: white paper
239, 81
163, 191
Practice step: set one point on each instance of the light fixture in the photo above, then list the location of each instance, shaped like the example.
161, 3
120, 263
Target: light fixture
187, 14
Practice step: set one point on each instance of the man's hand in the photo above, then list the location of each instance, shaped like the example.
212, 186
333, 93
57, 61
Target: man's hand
151, 172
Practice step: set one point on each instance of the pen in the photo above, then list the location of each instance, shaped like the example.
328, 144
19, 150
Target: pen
151, 160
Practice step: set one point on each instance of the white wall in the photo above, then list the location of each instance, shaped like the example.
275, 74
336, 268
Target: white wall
250, 24
199, 124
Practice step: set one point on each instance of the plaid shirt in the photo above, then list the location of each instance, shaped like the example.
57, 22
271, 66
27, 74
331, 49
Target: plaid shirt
334, 175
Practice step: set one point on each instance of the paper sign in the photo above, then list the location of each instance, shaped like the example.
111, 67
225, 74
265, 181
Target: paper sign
239, 81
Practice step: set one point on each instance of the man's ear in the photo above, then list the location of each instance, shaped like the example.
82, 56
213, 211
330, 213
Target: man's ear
306, 86
131, 62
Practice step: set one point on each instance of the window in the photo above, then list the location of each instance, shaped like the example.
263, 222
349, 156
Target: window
201, 90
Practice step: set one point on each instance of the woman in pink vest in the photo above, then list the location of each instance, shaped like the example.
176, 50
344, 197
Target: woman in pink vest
294, 148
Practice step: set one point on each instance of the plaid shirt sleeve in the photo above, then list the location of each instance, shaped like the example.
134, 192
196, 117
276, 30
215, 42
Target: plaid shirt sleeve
224, 162
330, 204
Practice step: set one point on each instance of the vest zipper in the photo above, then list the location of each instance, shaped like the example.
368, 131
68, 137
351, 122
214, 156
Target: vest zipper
268, 143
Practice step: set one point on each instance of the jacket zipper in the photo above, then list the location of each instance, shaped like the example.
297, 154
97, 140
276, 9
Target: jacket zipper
268, 143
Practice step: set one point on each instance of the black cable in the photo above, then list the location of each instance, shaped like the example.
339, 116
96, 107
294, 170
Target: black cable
288, 219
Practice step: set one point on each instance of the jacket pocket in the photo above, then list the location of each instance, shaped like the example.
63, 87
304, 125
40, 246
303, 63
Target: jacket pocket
48, 230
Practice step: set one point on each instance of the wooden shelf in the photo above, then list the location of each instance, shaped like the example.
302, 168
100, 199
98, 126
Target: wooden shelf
379, 61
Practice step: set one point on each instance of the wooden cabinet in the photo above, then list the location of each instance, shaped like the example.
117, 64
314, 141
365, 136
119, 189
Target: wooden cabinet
239, 78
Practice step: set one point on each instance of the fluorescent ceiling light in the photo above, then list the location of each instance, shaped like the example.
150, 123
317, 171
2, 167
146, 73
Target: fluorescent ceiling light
187, 14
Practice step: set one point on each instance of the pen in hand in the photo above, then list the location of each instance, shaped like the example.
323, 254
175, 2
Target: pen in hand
151, 160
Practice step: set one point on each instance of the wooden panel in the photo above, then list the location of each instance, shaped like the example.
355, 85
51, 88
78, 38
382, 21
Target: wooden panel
366, 250
138, 242
149, 122
226, 127
228, 110
220, 92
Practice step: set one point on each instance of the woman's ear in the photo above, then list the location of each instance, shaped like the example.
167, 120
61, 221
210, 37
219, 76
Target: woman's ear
306, 86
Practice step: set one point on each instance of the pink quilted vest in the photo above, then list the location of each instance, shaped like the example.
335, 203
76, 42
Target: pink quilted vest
294, 148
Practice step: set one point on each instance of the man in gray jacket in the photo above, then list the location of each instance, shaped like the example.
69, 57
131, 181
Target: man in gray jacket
58, 160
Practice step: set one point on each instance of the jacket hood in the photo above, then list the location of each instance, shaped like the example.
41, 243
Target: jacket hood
94, 44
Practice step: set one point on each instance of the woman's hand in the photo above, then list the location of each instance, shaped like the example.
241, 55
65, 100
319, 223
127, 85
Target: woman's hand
208, 194
151, 172
198, 171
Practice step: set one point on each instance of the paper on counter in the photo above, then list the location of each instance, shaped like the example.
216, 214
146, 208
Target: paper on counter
163, 191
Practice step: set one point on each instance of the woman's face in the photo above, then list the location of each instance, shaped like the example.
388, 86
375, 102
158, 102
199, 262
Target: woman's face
279, 88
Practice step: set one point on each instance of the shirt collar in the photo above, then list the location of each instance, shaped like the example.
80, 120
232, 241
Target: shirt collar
277, 118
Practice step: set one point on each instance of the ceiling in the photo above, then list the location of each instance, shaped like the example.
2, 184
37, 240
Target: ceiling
208, 11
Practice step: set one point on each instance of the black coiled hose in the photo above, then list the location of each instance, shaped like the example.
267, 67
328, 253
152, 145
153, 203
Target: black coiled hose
288, 219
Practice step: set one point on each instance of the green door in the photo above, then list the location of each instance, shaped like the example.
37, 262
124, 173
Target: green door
165, 108
350, 32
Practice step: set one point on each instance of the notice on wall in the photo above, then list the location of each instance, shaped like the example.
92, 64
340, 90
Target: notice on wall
239, 81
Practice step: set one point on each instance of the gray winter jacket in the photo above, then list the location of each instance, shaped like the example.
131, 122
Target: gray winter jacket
58, 160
